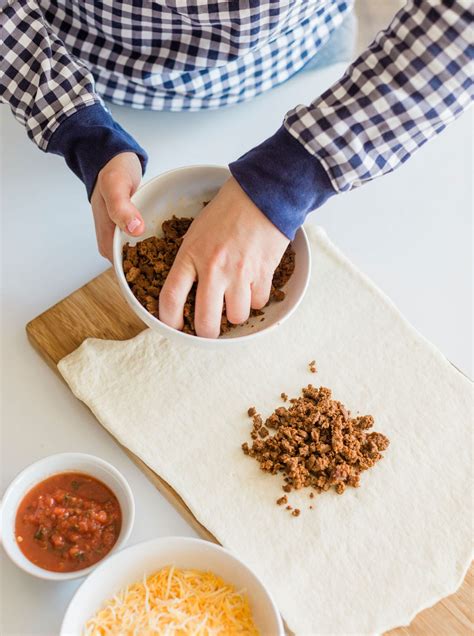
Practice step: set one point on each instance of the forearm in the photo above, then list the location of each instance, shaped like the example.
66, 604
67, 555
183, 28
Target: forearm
40, 81
52, 95
283, 180
88, 140
404, 89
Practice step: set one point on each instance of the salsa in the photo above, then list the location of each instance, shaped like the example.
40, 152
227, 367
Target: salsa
68, 522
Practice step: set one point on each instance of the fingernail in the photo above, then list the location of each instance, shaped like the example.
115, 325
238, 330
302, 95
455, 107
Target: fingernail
134, 223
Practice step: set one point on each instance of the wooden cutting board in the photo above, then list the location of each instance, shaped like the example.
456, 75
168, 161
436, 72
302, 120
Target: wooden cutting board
98, 310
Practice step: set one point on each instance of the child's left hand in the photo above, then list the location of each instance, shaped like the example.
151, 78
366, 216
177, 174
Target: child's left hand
117, 182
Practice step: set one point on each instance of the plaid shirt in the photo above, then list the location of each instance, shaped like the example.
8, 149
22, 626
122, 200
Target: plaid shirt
61, 57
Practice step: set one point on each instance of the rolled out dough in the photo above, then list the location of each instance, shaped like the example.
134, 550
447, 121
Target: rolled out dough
360, 563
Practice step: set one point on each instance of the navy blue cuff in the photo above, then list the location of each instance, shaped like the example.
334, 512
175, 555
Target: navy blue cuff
283, 180
89, 139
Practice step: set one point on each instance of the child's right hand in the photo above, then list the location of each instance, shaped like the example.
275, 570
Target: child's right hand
116, 183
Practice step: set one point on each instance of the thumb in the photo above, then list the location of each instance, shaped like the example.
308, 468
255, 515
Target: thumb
116, 193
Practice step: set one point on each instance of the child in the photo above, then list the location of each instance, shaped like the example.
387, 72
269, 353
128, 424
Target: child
60, 58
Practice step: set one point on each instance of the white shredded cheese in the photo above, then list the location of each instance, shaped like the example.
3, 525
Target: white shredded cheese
175, 602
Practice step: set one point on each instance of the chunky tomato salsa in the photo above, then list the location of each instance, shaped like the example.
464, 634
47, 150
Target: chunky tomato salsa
68, 522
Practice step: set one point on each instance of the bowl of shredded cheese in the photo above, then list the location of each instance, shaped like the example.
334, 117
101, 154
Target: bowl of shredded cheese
172, 586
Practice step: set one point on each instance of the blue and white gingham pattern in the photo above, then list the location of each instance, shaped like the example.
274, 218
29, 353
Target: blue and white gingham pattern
39, 79
171, 55
190, 54
414, 79
60, 55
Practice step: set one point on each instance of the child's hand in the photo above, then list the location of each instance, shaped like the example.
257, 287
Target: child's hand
232, 249
110, 200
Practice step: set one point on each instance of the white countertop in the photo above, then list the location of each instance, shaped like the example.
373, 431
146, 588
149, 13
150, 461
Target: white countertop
411, 232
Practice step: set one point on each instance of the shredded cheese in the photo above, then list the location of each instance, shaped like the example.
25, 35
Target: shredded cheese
174, 602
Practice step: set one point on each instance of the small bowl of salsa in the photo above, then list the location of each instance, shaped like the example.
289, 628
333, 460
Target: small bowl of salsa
64, 514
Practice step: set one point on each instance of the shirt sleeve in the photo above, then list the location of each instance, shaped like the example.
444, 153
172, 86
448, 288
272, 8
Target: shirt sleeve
51, 93
411, 82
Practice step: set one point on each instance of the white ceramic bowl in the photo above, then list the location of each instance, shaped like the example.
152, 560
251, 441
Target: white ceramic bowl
41, 470
182, 192
133, 563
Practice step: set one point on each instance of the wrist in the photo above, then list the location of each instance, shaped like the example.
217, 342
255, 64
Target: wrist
125, 161
283, 180
88, 140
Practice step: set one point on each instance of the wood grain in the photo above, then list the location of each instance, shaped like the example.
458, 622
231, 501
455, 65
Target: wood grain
98, 310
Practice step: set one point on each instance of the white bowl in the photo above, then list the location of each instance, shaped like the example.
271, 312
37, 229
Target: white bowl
41, 470
182, 192
145, 558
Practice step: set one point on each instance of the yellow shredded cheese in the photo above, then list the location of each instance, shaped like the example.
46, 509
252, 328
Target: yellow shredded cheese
174, 602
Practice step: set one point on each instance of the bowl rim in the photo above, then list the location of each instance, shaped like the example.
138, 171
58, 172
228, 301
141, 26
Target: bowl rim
17, 557
141, 312
149, 544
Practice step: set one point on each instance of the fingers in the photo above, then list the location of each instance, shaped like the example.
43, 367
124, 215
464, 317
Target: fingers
116, 192
208, 308
239, 297
260, 292
106, 242
104, 227
175, 292
237, 302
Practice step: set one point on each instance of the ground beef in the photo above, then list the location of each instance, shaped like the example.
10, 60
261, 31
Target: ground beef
315, 443
147, 264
